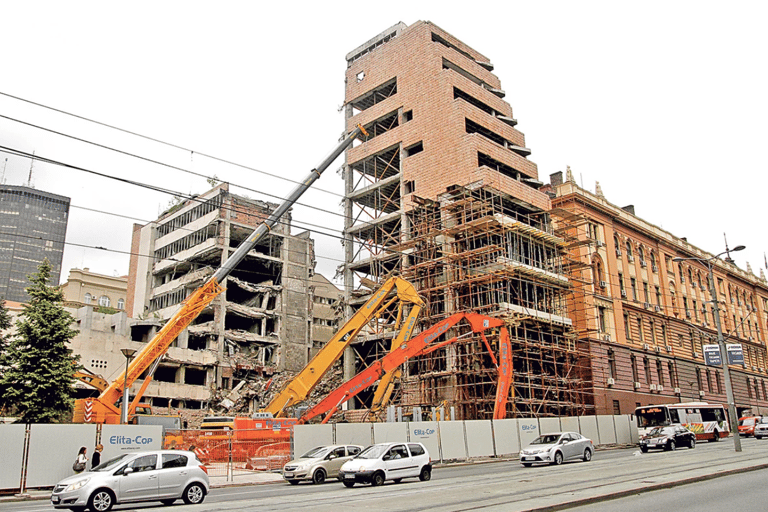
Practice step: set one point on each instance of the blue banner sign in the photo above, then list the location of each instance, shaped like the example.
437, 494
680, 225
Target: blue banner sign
712, 355
735, 353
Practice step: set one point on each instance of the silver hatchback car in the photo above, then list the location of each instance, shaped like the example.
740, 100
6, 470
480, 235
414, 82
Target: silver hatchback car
319, 463
161, 475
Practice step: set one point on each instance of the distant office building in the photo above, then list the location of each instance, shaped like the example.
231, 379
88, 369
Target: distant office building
33, 225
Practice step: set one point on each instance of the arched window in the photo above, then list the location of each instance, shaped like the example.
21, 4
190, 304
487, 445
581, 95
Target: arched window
680, 273
698, 278
653, 261
617, 245
629, 250
104, 301
641, 255
690, 275
88, 298
120, 304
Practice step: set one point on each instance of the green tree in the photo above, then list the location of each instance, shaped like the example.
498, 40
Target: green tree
37, 366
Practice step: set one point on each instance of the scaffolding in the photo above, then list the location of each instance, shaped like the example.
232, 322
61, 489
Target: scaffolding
481, 250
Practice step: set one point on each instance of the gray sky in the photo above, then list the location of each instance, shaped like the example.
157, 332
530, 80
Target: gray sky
663, 103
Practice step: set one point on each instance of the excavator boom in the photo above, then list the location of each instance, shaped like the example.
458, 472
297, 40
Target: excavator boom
415, 347
301, 386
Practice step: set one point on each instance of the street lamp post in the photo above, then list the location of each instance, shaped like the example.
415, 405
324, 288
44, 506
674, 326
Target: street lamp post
732, 417
128, 353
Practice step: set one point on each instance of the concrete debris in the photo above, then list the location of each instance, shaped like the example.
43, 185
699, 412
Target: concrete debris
263, 287
250, 312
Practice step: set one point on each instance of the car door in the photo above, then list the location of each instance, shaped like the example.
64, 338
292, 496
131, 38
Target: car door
335, 460
141, 482
398, 462
173, 475
567, 446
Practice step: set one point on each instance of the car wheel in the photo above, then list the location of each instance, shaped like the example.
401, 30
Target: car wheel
318, 477
377, 479
526, 464
671, 446
587, 455
101, 501
426, 474
168, 501
193, 494
644, 449
716, 438
349, 484
397, 480
692, 444
758, 437
293, 482
558, 458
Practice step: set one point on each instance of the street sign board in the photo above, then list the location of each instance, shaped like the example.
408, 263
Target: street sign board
735, 353
712, 355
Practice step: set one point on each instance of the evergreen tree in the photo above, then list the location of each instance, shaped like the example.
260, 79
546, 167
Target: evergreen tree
37, 366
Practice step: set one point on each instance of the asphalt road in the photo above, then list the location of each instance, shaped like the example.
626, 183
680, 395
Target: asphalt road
481, 486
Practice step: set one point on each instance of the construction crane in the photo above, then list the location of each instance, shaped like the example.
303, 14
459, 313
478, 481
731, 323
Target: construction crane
421, 345
102, 409
299, 388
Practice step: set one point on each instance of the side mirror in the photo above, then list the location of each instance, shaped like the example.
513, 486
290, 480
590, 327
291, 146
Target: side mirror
127, 471
332, 456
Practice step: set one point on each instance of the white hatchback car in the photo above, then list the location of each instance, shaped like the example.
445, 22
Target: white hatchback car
161, 475
387, 461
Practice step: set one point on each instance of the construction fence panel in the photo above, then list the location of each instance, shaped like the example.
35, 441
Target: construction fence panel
12, 455
390, 432
623, 431
233, 453
506, 437
479, 435
528, 430
53, 449
452, 441
588, 428
548, 425
570, 424
606, 429
306, 437
354, 433
425, 432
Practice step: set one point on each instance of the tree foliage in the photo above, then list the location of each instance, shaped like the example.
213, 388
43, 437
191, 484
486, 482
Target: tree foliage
36, 364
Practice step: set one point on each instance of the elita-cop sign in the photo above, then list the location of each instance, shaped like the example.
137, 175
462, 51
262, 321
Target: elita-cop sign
119, 439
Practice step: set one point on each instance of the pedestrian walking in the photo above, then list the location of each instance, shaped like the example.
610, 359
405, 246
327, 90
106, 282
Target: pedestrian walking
80, 461
96, 457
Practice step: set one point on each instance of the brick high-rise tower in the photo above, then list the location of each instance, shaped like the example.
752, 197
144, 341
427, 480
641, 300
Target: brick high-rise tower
442, 192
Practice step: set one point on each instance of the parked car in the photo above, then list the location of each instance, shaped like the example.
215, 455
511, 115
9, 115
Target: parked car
747, 425
387, 461
667, 438
557, 447
319, 463
761, 429
161, 475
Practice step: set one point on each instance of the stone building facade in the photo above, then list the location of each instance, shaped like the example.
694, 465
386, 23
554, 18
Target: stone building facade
646, 317
84, 287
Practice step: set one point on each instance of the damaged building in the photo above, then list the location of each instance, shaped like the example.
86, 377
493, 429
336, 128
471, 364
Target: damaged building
262, 322
442, 193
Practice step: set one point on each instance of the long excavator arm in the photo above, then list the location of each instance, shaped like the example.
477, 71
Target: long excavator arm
415, 347
103, 409
299, 388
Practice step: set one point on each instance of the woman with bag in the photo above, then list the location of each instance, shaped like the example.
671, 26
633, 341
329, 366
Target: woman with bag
80, 461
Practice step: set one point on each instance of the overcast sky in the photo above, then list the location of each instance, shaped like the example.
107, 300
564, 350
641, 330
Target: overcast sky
664, 103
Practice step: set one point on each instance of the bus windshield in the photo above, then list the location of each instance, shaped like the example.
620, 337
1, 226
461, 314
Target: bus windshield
652, 417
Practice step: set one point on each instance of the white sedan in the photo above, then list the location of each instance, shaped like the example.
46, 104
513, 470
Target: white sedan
557, 447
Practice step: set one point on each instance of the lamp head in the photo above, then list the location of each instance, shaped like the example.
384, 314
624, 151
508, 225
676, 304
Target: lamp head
128, 352
738, 248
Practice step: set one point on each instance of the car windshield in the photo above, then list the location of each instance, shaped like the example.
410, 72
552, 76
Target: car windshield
111, 463
373, 452
764, 420
546, 439
316, 453
745, 422
661, 431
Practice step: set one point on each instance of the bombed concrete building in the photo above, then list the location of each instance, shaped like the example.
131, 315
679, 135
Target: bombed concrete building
260, 324
442, 193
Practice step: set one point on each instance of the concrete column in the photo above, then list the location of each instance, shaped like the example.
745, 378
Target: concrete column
182, 341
